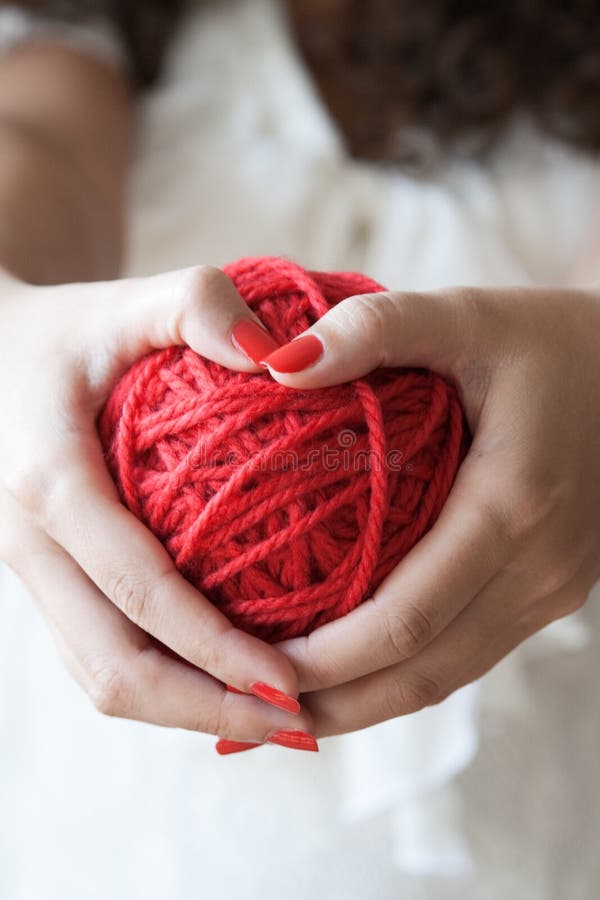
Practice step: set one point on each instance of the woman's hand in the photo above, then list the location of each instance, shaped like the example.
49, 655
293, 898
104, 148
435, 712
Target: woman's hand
518, 542
137, 636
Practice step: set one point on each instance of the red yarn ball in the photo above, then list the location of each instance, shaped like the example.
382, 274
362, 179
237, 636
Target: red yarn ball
286, 508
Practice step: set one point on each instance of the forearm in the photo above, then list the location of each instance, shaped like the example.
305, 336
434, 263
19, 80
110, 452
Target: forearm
65, 144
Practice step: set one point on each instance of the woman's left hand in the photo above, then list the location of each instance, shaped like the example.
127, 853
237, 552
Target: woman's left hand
518, 542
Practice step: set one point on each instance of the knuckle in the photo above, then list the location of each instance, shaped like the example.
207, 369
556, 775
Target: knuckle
201, 286
409, 693
473, 309
133, 596
478, 324
560, 577
28, 483
109, 690
556, 576
409, 630
43, 489
527, 511
496, 512
533, 501
202, 282
417, 691
367, 315
468, 301
391, 704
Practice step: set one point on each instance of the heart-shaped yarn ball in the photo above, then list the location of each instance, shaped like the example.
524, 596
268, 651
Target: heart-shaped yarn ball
285, 508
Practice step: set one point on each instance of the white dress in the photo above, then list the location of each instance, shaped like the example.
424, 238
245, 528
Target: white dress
238, 157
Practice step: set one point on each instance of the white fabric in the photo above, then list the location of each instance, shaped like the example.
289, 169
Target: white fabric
94, 36
238, 157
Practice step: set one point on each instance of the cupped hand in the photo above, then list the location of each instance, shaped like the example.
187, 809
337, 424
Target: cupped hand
518, 542
139, 638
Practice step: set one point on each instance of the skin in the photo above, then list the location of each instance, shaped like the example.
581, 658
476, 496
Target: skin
517, 545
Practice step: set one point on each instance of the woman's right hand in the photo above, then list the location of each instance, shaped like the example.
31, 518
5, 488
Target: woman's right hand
134, 633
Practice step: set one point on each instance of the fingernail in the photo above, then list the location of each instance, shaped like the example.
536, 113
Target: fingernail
274, 697
296, 740
295, 356
255, 342
224, 747
233, 690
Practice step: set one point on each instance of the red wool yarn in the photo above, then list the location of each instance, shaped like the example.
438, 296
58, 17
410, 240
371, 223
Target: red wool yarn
285, 508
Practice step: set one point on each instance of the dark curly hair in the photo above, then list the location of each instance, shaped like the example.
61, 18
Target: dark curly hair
409, 79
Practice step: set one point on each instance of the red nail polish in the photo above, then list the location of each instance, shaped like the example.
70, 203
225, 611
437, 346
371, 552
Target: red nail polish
234, 690
252, 340
295, 356
225, 747
296, 740
274, 697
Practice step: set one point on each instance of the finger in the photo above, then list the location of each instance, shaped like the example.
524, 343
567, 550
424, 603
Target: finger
440, 576
199, 307
382, 329
131, 567
482, 635
125, 673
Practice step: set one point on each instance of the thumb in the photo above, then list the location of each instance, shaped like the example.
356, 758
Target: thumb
367, 331
198, 306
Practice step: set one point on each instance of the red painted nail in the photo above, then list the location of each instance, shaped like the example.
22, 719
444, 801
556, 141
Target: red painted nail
274, 697
234, 690
295, 356
224, 747
296, 740
255, 342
